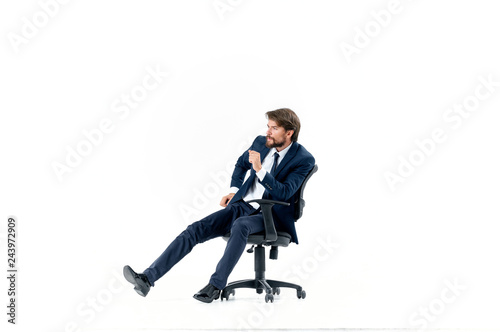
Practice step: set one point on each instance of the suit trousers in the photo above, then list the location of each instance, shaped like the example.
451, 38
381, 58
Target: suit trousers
239, 218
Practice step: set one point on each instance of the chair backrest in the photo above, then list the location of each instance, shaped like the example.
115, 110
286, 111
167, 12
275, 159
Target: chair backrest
299, 196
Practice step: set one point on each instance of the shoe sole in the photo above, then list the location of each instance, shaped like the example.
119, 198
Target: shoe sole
206, 300
128, 273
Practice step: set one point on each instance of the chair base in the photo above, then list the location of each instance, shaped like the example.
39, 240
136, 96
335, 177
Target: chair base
260, 283
271, 287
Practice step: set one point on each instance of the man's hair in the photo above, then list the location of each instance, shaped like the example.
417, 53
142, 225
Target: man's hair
287, 119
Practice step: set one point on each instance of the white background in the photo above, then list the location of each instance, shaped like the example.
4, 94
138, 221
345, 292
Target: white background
397, 250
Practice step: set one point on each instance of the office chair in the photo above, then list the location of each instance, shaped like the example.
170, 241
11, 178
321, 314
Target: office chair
269, 238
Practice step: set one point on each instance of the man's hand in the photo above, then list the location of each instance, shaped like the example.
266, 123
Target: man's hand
254, 159
226, 199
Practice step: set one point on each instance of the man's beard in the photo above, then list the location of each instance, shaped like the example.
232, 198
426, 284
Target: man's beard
274, 143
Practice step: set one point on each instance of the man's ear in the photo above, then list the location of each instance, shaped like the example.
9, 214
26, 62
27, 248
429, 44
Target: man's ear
289, 133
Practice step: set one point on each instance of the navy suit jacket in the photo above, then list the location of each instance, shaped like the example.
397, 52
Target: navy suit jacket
283, 186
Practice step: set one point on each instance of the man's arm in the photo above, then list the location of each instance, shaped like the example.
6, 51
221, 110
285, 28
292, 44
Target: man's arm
283, 191
240, 170
242, 166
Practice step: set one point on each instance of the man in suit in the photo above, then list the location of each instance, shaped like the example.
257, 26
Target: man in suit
278, 165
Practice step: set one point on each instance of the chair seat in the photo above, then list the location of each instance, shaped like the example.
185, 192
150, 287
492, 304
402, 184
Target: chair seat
258, 238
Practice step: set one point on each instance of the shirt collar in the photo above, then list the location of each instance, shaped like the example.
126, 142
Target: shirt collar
282, 153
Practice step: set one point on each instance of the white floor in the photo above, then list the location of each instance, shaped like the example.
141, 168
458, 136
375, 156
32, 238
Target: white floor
247, 311
324, 308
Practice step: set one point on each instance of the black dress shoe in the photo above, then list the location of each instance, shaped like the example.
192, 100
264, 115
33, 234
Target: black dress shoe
140, 281
207, 294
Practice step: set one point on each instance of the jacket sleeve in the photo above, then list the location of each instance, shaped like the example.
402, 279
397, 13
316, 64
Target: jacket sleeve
283, 191
241, 168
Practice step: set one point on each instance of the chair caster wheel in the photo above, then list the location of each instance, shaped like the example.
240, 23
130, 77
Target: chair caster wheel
269, 297
225, 294
301, 294
276, 291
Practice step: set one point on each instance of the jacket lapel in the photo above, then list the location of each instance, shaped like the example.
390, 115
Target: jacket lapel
289, 156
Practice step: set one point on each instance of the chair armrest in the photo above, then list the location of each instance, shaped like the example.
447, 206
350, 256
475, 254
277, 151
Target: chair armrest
268, 201
266, 206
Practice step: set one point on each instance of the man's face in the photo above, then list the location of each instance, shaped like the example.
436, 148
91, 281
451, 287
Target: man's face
276, 136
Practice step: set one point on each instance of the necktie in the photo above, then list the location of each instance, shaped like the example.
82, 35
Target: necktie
275, 164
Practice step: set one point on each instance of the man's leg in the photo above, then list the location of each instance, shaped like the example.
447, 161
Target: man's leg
240, 230
214, 225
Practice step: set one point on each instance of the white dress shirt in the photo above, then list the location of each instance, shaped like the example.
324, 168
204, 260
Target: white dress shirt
257, 189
